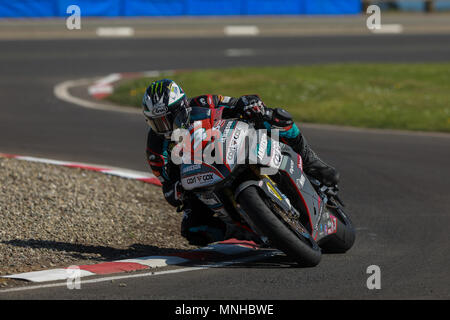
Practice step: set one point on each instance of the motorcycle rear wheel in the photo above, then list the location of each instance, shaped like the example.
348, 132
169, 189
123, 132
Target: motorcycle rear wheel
344, 238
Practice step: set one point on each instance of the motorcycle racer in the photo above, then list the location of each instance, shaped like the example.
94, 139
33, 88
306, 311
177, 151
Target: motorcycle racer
166, 108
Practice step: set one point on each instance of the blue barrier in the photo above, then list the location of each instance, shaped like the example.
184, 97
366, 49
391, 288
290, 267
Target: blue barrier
154, 8
267, 7
113, 8
333, 7
217, 7
105, 8
418, 5
27, 8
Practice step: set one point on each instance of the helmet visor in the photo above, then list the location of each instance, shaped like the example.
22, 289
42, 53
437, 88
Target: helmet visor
160, 124
181, 119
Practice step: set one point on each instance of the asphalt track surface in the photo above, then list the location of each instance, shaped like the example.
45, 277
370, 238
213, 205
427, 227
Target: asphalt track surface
395, 185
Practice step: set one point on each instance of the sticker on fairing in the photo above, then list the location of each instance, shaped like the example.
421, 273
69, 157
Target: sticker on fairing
331, 226
188, 168
300, 182
226, 99
299, 162
199, 180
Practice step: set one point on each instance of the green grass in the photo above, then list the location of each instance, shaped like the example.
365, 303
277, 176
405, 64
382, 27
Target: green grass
396, 96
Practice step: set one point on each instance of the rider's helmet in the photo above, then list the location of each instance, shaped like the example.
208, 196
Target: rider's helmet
165, 107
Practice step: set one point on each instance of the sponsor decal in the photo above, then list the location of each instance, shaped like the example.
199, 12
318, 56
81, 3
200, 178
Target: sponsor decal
300, 182
159, 110
233, 145
203, 141
206, 177
190, 180
277, 158
262, 147
332, 225
299, 162
230, 154
199, 135
191, 168
226, 99
200, 179
175, 93
237, 133
226, 131
291, 169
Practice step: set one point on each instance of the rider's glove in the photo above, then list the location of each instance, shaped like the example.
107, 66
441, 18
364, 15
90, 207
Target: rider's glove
252, 107
174, 193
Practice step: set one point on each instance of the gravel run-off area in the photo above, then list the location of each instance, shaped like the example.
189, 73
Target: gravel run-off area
53, 216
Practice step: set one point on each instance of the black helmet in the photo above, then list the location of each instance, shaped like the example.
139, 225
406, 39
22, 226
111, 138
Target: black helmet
165, 107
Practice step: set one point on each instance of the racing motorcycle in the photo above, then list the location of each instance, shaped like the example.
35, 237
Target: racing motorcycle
279, 204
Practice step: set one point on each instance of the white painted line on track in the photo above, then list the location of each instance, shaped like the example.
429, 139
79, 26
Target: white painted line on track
389, 29
236, 31
239, 52
156, 261
115, 32
95, 90
148, 274
61, 91
97, 280
48, 275
113, 77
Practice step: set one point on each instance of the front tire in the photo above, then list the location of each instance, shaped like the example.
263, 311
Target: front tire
304, 251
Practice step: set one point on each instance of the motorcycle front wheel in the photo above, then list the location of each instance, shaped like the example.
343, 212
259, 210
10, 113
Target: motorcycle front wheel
296, 244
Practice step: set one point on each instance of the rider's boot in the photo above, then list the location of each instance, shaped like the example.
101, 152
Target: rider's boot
199, 226
239, 231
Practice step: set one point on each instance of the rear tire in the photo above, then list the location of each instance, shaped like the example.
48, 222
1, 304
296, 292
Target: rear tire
343, 239
279, 234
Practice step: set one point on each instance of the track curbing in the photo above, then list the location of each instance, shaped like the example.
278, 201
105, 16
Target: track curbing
213, 252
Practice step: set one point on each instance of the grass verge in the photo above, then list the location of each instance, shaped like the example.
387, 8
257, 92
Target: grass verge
394, 96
